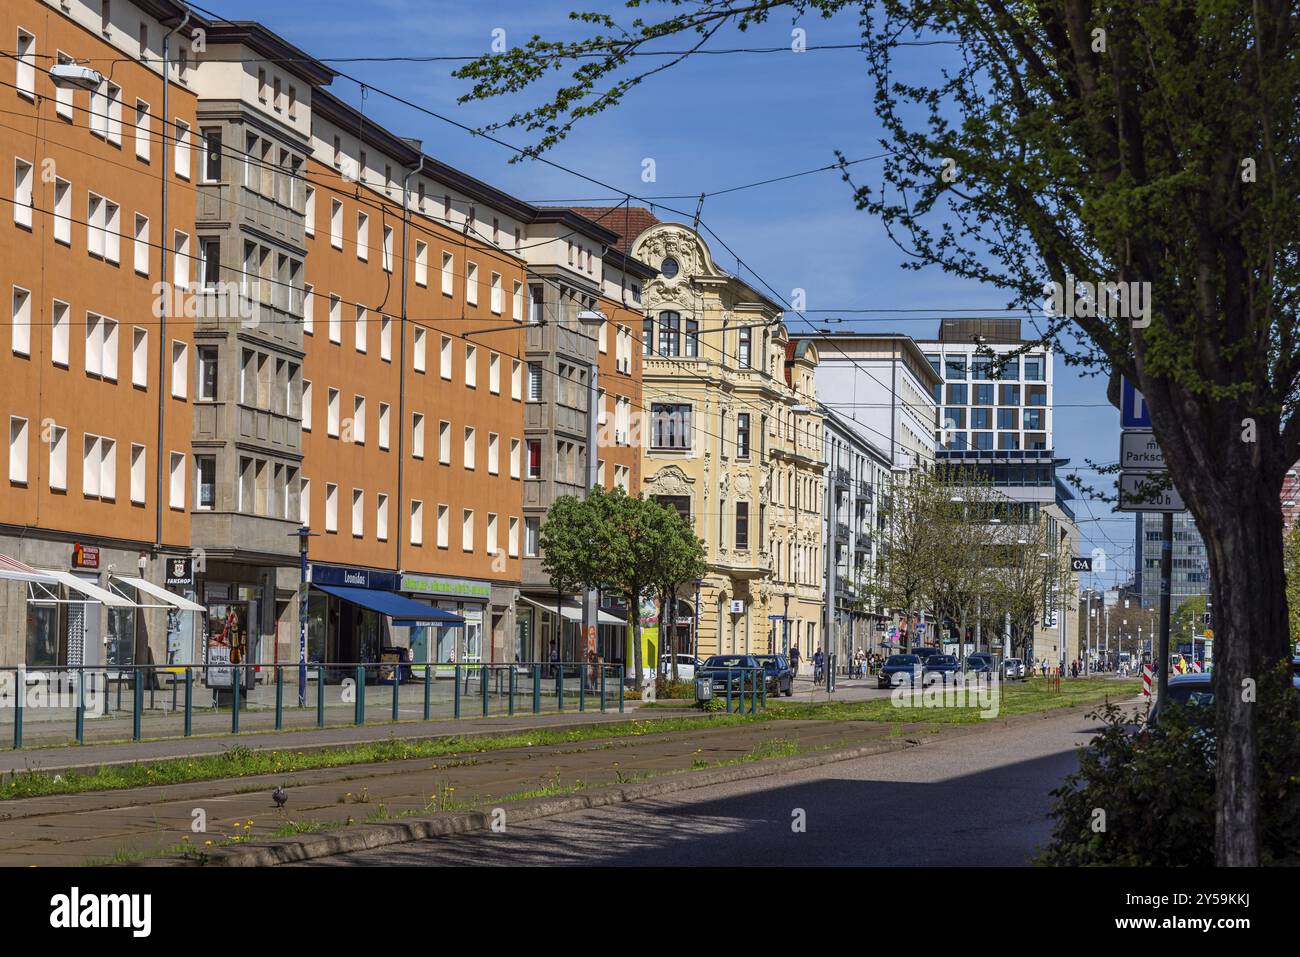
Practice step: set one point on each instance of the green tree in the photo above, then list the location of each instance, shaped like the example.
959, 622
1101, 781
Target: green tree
1186, 623
1291, 553
680, 560
567, 558
1149, 144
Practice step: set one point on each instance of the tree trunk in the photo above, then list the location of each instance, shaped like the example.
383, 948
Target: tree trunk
634, 609
1243, 535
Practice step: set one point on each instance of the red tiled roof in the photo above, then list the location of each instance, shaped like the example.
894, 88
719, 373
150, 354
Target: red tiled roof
628, 221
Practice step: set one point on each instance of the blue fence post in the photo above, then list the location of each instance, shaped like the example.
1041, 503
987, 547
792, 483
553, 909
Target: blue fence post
279, 697
81, 705
537, 689
778, 690
428, 685
728, 691
397, 687
621, 681
511, 706
20, 692
359, 706
137, 704
189, 701
602, 689
237, 686
483, 675
456, 704
582, 687
559, 685
320, 695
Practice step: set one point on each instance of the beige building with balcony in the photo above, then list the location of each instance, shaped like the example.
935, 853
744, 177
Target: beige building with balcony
731, 437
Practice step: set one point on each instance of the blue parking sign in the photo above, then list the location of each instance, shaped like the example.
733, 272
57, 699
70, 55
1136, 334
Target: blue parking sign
1133, 411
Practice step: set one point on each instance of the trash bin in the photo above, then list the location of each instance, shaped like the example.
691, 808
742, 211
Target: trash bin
703, 688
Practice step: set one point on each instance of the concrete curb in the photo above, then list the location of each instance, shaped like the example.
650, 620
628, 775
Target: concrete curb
367, 836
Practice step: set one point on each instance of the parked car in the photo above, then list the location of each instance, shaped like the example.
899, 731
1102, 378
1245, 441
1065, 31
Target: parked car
1197, 691
1013, 669
686, 665
780, 676
981, 663
721, 669
940, 668
899, 670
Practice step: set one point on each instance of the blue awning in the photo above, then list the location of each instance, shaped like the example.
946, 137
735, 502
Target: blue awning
401, 609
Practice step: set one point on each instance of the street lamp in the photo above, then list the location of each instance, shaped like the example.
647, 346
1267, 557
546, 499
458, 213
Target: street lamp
303, 533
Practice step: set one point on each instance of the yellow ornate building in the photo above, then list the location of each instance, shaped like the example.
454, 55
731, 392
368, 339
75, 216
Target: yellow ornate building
731, 437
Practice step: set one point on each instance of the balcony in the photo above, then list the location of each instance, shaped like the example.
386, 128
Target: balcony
842, 532
865, 492
842, 478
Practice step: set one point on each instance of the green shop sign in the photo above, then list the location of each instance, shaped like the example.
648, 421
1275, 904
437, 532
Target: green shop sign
447, 587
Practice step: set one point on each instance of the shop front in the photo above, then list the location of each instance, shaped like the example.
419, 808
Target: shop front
465, 637
358, 616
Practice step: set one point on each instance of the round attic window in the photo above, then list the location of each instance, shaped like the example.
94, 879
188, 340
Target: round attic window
668, 267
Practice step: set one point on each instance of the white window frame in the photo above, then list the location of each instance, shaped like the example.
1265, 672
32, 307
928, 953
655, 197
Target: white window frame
180, 369
21, 324
19, 449
24, 177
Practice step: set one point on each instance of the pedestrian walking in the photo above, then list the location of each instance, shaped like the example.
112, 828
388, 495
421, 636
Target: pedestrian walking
794, 659
819, 661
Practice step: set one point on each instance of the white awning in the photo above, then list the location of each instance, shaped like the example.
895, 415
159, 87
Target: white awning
13, 570
574, 612
162, 594
92, 591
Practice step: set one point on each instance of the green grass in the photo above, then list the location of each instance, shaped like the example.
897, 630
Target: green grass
242, 761
1015, 698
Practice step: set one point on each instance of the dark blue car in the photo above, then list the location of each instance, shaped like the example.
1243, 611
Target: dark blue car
940, 668
899, 670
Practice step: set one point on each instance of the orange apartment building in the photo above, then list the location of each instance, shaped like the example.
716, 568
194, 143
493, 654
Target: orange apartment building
89, 367
412, 390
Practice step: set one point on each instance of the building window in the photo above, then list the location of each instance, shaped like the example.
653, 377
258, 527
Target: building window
18, 446
497, 301
180, 370
417, 522
468, 452
205, 481
177, 496
471, 366
444, 526
23, 193
211, 160
444, 358
672, 426
388, 249
444, 442
669, 334
742, 435
385, 411
534, 458
534, 382
493, 454
359, 330
336, 224
514, 458
471, 284
363, 237
448, 276
63, 212
417, 435
421, 263
467, 529
532, 530
381, 517
206, 388
358, 513
182, 151
419, 358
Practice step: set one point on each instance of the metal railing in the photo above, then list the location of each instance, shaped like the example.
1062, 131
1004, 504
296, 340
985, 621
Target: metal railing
743, 689
61, 704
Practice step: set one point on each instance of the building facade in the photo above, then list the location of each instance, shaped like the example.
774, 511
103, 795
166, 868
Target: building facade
96, 384
857, 480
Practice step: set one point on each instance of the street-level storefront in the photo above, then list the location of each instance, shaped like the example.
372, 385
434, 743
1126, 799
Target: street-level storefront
357, 616
91, 616
461, 639
540, 640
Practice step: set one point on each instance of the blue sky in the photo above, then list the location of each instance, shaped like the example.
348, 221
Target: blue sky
709, 123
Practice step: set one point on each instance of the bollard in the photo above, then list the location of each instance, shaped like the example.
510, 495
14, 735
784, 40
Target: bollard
137, 705
537, 689
621, 679
428, 679
81, 707
483, 675
456, 706
359, 705
236, 682
602, 689
320, 695
510, 708
189, 701
279, 698
20, 693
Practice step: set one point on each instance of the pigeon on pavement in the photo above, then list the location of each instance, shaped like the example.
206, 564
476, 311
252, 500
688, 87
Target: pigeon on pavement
280, 796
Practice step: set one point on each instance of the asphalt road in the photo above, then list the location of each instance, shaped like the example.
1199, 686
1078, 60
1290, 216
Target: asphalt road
974, 800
